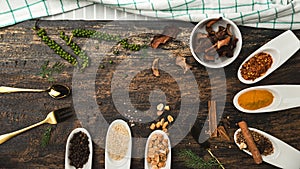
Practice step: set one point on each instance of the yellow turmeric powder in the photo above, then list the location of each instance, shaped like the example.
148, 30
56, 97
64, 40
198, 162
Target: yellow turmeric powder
255, 99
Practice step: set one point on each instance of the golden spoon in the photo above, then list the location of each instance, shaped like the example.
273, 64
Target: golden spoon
55, 91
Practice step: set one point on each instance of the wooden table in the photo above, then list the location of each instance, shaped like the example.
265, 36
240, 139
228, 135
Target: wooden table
23, 53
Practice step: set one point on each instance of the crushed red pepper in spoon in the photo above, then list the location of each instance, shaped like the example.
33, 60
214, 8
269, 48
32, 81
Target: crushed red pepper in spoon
256, 66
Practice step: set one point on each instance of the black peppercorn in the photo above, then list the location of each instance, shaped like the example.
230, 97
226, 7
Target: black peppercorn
79, 149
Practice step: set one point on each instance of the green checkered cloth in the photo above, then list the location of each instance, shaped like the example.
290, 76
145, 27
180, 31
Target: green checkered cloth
15, 11
275, 14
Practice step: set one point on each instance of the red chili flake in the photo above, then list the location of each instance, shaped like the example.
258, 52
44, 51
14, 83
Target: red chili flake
256, 66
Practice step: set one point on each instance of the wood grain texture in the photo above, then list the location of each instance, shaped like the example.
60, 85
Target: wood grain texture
22, 54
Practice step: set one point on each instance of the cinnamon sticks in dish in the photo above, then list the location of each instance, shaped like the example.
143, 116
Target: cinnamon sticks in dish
250, 142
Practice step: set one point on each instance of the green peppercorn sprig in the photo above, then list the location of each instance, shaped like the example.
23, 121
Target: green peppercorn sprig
125, 45
55, 46
100, 36
132, 47
77, 50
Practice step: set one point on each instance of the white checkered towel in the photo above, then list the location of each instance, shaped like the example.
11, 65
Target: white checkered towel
276, 14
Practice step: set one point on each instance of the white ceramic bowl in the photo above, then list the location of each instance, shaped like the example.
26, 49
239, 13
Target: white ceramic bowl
221, 61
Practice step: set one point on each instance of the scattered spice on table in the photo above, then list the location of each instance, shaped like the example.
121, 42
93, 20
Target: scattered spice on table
255, 99
79, 150
165, 119
263, 144
155, 67
181, 61
162, 124
168, 33
250, 142
256, 66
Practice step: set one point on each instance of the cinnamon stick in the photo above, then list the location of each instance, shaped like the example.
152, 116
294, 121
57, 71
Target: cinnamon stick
222, 132
250, 142
212, 113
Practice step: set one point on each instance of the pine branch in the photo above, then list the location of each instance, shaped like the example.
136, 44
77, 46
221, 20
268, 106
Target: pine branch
48, 71
46, 137
192, 160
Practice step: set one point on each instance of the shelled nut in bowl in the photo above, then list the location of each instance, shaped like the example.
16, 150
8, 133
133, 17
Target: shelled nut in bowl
215, 42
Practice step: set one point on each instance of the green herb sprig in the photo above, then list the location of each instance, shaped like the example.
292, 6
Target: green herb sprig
48, 71
55, 46
46, 137
192, 160
77, 50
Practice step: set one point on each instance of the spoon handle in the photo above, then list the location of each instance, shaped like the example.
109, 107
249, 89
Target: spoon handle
4, 89
285, 50
290, 97
288, 157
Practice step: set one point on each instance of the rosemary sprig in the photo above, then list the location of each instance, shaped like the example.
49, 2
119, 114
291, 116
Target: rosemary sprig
48, 71
192, 160
46, 136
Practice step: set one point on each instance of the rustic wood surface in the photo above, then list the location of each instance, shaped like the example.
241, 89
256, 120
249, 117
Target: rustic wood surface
23, 53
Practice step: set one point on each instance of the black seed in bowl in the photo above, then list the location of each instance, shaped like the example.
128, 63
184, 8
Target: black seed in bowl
79, 149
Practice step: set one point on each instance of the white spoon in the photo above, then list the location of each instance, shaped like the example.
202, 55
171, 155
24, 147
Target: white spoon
285, 97
280, 48
88, 164
125, 162
168, 162
284, 156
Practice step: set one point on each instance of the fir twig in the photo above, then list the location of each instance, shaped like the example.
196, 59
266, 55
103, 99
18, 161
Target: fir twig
212, 155
48, 71
46, 136
192, 160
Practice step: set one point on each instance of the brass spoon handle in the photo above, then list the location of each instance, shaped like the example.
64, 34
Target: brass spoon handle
5, 137
4, 89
